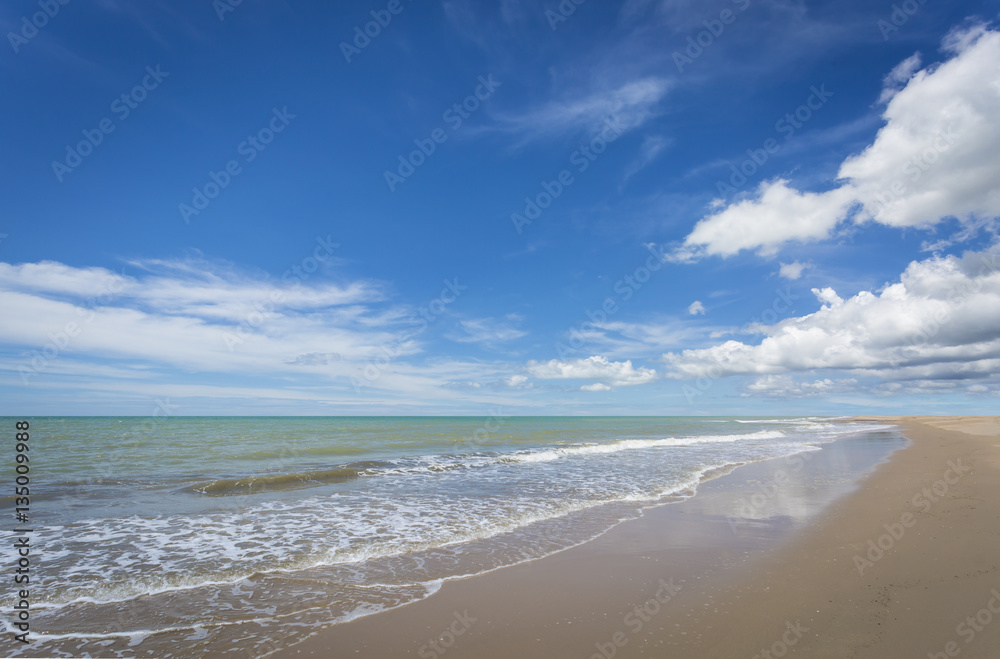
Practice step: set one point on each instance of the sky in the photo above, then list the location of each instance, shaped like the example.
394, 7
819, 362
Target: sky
498, 208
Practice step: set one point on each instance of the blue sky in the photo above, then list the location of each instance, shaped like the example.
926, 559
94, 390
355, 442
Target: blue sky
515, 207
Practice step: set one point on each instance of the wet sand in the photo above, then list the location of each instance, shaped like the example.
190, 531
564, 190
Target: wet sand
831, 556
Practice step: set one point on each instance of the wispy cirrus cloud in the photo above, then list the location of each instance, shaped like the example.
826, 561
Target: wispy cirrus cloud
651, 149
634, 339
490, 331
181, 316
627, 106
195, 287
245, 335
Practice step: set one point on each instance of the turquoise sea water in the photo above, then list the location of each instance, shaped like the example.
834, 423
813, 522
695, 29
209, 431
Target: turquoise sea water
217, 532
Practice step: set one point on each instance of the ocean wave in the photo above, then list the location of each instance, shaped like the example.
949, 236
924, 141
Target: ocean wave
438, 464
272, 482
634, 444
427, 530
237, 544
796, 420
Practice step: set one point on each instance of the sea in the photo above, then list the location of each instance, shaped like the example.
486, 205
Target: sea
210, 536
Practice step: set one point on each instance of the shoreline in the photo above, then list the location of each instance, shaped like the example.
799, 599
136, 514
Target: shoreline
264, 611
778, 583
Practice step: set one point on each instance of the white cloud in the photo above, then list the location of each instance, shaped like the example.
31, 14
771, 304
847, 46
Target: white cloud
936, 155
57, 278
777, 215
828, 297
489, 331
792, 270
899, 76
616, 374
621, 339
651, 148
597, 386
182, 316
696, 308
172, 319
934, 158
785, 386
626, 107
197, 288
960, 38
516, 380
940, 321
